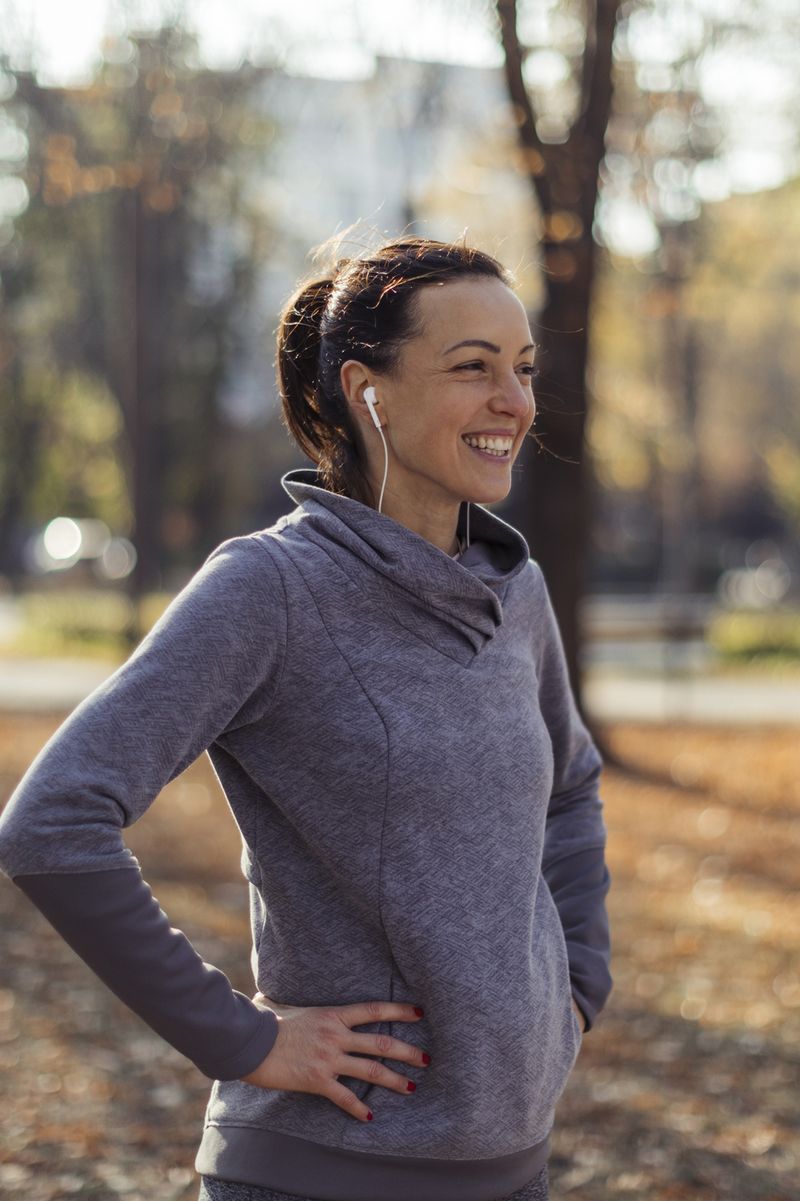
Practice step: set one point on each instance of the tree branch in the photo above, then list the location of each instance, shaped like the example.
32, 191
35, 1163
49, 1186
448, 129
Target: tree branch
597, 76
532, 147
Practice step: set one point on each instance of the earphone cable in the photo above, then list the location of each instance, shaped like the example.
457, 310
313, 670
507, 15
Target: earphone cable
386, 466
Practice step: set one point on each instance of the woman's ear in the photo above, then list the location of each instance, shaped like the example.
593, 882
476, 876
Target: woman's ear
355, 382
354, 378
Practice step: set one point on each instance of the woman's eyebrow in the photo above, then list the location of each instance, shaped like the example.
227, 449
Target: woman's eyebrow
485, 345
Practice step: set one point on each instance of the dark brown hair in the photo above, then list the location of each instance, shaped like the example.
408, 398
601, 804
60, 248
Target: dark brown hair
362, 309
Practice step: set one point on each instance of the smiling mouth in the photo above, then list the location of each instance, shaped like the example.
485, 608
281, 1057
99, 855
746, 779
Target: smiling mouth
488, 453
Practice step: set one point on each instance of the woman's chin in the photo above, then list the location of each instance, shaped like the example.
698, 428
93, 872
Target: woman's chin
489, 494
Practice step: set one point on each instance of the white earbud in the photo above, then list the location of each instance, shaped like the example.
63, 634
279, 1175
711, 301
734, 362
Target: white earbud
369, 397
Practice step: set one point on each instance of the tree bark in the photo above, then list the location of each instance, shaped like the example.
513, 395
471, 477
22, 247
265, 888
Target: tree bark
551, 503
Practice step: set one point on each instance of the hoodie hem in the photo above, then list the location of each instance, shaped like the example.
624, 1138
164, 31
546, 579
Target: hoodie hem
271, 1159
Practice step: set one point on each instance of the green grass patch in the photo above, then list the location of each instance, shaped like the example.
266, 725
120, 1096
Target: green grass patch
769, 638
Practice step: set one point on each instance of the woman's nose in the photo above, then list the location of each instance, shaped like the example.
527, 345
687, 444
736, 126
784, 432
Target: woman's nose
512, 396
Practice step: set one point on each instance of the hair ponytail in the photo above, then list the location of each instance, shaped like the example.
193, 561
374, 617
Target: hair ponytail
316, 415
298, 365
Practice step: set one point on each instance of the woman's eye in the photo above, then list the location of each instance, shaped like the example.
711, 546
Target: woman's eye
529, 369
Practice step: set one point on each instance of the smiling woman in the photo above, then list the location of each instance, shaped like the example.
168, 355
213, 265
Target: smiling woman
450, 423
383, 694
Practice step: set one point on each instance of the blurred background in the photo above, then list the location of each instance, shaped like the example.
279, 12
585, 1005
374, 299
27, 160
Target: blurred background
166, 171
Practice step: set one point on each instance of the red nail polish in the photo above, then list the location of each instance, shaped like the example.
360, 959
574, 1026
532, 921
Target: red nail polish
369, 1116
419, 1012
411, 1086
426, 1057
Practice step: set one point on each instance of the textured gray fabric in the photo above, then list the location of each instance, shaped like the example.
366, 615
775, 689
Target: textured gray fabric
213, 1189
420, 817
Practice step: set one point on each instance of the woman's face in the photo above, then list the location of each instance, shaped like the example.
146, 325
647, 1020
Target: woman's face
467, 376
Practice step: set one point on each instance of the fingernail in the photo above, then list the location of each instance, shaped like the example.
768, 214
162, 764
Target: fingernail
419, 1012
369, 1116
426, 1058
411, 1086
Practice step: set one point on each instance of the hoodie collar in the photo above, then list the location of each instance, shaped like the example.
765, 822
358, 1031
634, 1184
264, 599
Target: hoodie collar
456, 604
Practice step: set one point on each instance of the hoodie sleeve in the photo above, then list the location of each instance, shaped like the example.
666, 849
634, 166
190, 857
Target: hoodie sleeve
211, 663
573, 862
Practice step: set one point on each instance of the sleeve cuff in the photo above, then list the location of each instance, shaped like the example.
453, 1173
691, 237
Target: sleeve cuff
252, 1055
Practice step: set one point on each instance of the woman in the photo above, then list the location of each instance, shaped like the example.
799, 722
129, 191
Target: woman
381, 687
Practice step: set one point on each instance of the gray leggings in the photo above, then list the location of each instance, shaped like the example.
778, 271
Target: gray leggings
214, 1189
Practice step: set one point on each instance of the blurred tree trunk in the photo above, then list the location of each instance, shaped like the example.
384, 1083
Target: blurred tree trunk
551, 501
21, 430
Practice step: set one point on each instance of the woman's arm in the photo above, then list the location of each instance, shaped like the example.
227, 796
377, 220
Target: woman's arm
113, 921
573, 862
212, 662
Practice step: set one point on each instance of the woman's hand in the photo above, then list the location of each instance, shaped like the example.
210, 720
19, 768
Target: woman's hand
312, 1047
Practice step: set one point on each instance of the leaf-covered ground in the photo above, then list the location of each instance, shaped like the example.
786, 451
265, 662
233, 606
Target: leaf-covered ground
687, 1087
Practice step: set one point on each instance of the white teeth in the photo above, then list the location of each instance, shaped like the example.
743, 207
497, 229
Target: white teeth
497, 446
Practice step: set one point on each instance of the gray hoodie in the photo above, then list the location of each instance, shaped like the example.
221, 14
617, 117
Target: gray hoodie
419, 807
